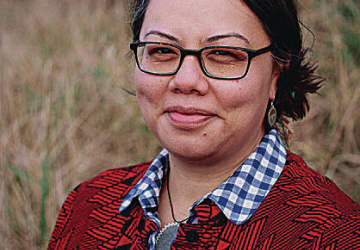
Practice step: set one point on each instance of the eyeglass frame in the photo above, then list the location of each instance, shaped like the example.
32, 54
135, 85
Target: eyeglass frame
185, 52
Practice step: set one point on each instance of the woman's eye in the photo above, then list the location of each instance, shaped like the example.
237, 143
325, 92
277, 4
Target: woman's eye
161, 50
222, 52
226, 55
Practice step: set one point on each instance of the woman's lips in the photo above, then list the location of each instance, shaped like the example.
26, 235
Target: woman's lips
188, 118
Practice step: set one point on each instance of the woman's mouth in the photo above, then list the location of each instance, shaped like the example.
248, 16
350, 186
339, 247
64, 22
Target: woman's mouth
189, 117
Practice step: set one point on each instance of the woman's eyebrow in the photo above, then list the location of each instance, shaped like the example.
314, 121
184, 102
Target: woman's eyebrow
232, 34
162, 34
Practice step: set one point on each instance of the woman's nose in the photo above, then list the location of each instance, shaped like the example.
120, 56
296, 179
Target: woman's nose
190, 78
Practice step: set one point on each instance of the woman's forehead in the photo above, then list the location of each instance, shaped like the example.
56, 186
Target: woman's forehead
201, 19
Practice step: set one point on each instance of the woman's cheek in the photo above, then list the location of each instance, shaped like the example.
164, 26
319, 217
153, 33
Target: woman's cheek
149, 88
232, 95
150, 93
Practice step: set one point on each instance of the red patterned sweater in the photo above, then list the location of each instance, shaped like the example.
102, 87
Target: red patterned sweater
303, 210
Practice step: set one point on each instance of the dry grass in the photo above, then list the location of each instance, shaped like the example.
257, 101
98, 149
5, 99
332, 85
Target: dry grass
64, 116
329, 138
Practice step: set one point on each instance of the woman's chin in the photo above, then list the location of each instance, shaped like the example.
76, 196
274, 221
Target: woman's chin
191, 149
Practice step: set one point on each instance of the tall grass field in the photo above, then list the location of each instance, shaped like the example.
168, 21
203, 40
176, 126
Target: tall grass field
64, 114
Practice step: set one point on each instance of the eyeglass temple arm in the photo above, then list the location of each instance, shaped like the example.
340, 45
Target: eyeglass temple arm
262, 51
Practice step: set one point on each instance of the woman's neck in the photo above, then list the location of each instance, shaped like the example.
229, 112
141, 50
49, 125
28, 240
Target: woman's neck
190, 180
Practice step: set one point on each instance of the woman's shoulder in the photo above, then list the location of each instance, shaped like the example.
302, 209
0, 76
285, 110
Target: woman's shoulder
312, 188
122, 172
297, 169
311, 199
124, 175
110, 185
93, 202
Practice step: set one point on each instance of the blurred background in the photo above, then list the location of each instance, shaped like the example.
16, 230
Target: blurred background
64, 116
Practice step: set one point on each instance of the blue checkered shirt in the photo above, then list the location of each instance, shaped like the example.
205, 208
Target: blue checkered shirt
238, 197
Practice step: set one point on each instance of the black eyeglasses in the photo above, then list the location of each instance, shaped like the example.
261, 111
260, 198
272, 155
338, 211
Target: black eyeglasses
218, 62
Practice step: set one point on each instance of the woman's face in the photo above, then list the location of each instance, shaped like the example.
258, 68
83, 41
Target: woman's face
196, 117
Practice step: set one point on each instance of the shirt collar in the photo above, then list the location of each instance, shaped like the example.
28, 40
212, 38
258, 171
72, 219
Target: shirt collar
148, 188
238, 197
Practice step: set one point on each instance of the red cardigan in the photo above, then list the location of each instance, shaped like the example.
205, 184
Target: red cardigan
303, 210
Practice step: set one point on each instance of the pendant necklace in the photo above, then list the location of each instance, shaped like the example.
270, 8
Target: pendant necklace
167, 235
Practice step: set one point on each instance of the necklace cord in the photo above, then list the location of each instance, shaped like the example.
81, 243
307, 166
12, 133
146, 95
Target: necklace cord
171, 205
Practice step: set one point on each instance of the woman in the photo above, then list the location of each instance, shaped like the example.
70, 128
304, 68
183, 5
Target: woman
212, 79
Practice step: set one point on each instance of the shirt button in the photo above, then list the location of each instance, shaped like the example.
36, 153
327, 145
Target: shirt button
192, 236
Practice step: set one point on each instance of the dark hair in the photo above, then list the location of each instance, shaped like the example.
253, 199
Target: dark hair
281, 22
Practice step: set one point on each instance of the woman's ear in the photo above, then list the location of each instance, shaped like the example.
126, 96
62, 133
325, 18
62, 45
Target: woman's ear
279, 67
273, 85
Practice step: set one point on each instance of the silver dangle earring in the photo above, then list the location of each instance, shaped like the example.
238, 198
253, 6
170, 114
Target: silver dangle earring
272, 114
